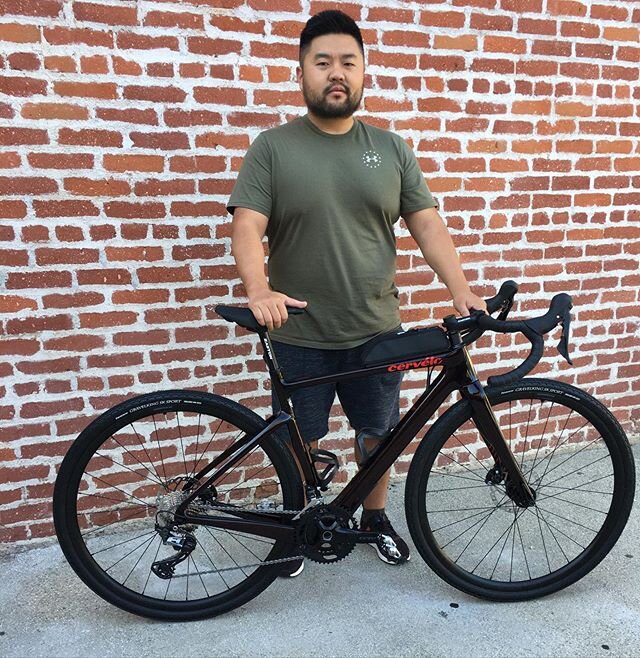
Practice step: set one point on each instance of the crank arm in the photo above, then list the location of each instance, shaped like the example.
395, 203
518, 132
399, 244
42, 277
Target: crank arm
358, 536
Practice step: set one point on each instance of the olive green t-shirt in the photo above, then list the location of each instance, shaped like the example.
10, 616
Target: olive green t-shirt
332, 202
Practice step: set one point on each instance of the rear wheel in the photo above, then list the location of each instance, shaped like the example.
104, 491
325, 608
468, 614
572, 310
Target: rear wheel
573, 454
126, 474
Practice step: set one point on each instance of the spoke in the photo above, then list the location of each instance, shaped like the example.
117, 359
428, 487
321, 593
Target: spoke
114, 500
564, 500
233, 536
164, 468
461, 477
452, 489
146, 468
213, 564
227, 552
200, 575
540, 439
524, 552
504, 534
124, 582
466, 468
513, 543
544, 544
193, 472
126, 541
577, 470
564, 518
144, 447
447, 525
102, 527
526, 433
131, 470
546, 472
124, 557
469, 451
462, 509
235, 466
550, 455
126, 493
155, 559
483, 521
184, 461
475, 534
580, 486
213, 436
564, 534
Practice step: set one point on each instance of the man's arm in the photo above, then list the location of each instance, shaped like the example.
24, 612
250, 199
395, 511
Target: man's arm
431, 235
269, 306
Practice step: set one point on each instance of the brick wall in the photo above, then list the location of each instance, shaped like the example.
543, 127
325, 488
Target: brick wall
123, 124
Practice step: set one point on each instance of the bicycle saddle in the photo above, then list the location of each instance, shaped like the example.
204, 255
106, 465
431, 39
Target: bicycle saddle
244, 316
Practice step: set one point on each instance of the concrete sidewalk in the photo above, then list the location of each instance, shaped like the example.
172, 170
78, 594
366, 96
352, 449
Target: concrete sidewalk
358, 607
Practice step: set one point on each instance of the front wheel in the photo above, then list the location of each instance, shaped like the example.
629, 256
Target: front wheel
125, 476
573, 454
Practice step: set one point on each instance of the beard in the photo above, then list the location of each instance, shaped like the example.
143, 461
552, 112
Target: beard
321, 106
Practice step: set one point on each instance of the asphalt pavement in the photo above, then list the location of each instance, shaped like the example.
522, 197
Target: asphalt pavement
358, 607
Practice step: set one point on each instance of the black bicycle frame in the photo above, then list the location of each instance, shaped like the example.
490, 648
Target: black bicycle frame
457, 374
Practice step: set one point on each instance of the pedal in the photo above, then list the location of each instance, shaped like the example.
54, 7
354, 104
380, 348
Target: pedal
331, 465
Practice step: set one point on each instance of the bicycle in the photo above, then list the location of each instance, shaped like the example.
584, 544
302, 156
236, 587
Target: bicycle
182, 505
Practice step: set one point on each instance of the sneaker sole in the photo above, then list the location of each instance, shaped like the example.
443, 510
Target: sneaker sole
385, 559
297, 572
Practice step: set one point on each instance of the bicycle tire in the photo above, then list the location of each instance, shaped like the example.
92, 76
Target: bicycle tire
578, 460
129, 465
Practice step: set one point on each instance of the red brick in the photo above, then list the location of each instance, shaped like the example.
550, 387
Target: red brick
24, 61
224, 95
19, 33
39, 280
134, 210
115, 254
90, 137
33, 325
111, 15
12, 304
75, 300
164, 274
49, 8
60, 160
86, 89
65, 209
110, 277
181, 19
95, 64
166, 141
16, 136
154, 337
60, 63
154, 93
77, 343
65, 256
21, 86
27, 186
62, 36
134, 41
140, 296
51, 409
133, 162
122, 66
129, 115
160, 70
111, 319
164, 187
197, 163
90, 187
198, 209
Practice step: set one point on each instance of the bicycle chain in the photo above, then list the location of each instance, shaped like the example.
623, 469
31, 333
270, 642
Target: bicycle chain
283, 560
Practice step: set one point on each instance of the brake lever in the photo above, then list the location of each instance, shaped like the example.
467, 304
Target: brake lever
563, 345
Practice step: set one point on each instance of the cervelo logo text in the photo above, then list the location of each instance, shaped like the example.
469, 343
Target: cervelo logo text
424, 363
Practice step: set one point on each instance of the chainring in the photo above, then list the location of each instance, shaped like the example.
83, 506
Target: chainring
316, 533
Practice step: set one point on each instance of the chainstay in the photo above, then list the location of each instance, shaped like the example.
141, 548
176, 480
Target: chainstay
282, 560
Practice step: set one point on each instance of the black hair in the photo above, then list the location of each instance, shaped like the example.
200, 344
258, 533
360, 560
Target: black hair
330, 21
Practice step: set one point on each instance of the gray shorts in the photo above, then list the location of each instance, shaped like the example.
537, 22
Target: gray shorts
371, 402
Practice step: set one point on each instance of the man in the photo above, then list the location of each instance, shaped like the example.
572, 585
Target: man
327, 189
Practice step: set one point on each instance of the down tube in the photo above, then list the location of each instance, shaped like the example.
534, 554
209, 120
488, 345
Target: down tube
363, 482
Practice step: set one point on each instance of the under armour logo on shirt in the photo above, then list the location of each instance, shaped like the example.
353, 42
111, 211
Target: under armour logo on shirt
371, 159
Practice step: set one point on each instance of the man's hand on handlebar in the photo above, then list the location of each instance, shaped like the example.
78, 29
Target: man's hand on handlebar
466, 302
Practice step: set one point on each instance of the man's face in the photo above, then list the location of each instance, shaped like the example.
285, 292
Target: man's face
332, 76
